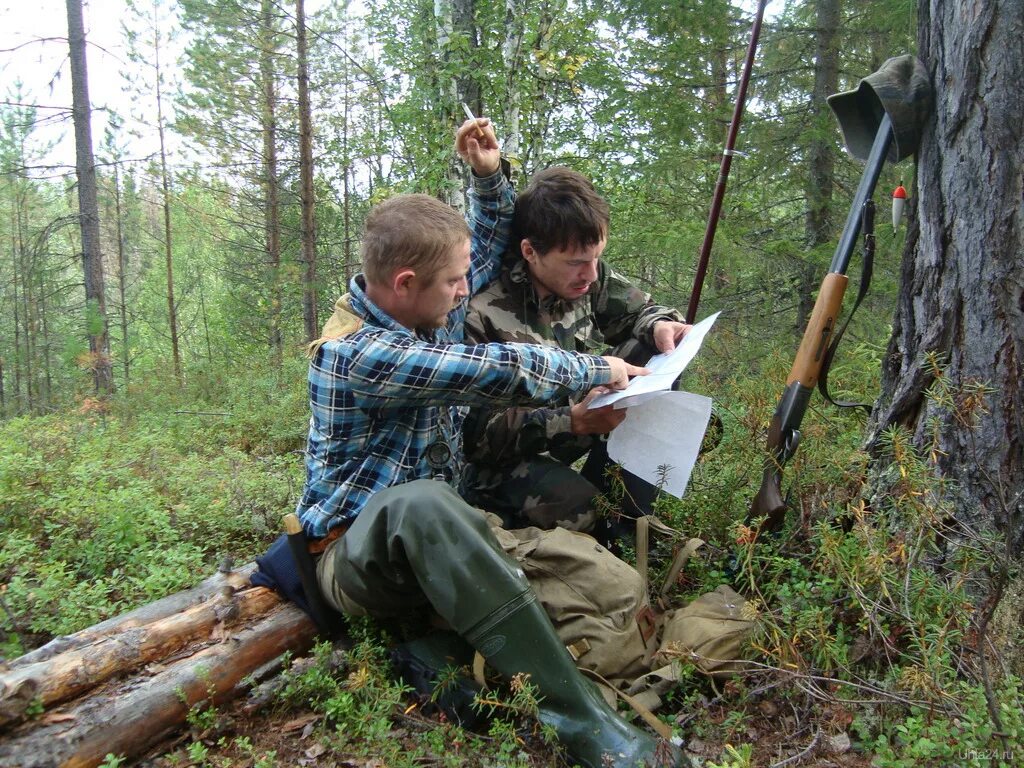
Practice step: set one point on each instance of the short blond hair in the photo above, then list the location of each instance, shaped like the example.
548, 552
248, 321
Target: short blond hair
415, 231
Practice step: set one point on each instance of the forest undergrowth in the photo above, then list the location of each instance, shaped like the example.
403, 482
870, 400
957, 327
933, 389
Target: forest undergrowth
880, 636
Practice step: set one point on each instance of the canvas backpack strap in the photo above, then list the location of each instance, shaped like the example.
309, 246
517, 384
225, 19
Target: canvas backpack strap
643, 528
643, 535
646, 617
678, 563
644, 525
662, 729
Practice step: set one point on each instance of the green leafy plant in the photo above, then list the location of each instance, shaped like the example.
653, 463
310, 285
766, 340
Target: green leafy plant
736, 757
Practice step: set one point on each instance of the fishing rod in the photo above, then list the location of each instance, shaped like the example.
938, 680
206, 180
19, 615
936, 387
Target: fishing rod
723, 171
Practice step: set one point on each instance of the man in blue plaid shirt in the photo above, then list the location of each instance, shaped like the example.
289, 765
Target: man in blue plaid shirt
388, 391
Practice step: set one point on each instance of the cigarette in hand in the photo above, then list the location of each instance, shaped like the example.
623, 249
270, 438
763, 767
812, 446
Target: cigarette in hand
471, 116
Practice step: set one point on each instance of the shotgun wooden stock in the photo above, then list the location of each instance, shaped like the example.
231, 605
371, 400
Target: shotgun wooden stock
822, 324
784, 430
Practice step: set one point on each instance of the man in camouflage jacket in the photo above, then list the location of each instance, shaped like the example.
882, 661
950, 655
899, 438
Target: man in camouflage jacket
554, 290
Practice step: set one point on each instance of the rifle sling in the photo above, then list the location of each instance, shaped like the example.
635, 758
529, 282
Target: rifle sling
868, 229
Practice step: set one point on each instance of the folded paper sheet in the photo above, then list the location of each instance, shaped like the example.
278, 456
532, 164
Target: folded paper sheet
661, 436
664, 368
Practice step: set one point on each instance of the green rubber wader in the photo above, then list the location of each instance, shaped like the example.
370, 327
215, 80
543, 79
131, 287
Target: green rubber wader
420, 544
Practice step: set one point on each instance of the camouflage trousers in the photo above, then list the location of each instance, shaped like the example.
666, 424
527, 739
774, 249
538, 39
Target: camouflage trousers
541, 492
546, 492
601, 499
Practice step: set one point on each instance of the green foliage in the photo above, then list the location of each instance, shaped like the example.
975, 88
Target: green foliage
315, 684
104, 512
198, 753
361, 701
872, 602
969, 739
202, 716
735, 757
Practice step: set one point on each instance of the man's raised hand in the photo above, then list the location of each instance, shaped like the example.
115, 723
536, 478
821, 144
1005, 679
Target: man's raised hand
482, 153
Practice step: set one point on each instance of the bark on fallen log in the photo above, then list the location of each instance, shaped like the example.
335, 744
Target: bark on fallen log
72, 672
128, 718
145, 614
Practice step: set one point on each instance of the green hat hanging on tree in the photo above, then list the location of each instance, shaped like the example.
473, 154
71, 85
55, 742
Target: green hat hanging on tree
901, 89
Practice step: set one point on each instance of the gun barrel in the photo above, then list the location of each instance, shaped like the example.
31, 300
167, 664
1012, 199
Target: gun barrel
865, 189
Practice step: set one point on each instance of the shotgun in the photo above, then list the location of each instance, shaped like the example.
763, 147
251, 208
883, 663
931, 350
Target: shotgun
885, 116
784, 430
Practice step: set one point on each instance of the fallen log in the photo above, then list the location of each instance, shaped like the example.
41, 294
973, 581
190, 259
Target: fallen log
127, 718
72, 672
219, 583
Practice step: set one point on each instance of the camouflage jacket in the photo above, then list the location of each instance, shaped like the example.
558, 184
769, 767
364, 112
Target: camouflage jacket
612, 312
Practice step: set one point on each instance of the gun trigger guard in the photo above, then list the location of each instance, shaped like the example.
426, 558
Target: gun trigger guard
792, 443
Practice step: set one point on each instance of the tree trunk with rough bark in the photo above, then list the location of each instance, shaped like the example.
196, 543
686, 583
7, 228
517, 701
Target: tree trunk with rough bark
122, 278
821, 151
165, 187
165, 191
85, 169
271, 202
962, 296
308, 228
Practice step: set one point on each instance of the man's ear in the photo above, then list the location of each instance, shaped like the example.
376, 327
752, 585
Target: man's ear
528, 251
401, 280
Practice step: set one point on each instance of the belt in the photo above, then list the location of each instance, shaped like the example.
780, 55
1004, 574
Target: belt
317, 546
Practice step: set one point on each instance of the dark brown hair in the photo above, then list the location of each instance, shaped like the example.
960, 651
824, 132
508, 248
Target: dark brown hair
560, 208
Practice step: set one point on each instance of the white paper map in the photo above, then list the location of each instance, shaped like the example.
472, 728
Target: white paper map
664, 368
660, 438
661, 435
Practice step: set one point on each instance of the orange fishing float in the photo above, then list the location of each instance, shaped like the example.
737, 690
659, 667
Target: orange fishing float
899, 199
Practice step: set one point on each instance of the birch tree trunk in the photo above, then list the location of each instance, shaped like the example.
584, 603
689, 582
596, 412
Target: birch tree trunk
448, 97
541, 107
346, 191
467, 87
512, 59
962, 295
89, 219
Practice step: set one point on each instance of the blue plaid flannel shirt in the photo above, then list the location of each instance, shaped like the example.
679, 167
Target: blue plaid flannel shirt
381, 395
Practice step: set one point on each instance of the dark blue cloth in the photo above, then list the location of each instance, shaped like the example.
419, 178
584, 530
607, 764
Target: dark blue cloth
276, 569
